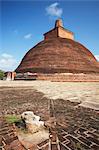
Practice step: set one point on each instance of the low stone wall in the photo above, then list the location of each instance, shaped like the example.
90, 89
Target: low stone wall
69, 77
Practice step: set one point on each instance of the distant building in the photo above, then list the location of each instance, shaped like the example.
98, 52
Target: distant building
58, 54
9, 76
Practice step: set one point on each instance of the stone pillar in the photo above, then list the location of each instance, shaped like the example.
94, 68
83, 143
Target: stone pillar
13, 75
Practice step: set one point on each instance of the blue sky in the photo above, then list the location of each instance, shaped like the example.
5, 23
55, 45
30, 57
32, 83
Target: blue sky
23, 23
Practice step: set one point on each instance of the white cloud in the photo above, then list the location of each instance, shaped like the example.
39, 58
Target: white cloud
97, 57
7, 62
28, 36
54, 10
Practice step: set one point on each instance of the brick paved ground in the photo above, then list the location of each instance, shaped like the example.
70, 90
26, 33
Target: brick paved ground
71, 127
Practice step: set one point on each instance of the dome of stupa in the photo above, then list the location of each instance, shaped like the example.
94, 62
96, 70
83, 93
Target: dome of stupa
58, 53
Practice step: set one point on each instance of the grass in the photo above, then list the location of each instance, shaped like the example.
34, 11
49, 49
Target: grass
12, 118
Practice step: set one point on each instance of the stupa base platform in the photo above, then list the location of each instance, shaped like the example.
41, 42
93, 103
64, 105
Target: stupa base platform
63, 77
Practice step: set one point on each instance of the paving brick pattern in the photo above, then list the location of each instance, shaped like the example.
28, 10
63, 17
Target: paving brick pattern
71, 128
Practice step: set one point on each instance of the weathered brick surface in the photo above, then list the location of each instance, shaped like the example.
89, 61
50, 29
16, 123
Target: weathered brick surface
59, 55
9, 140
70, 127
69, 78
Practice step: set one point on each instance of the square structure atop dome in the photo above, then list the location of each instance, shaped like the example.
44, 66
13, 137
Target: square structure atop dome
59, 31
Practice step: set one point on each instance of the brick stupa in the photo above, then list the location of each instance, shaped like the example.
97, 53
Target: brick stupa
59, 53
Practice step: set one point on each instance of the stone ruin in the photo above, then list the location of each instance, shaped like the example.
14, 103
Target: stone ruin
33, 131
9, 76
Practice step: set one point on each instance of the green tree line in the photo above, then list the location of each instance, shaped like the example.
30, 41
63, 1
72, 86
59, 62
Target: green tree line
1, 74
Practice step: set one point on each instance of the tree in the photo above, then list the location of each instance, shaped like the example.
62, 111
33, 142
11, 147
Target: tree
1, 74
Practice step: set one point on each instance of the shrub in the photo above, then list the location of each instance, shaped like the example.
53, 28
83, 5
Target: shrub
1, 74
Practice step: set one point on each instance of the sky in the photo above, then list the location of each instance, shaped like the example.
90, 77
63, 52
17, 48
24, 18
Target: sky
23, 23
